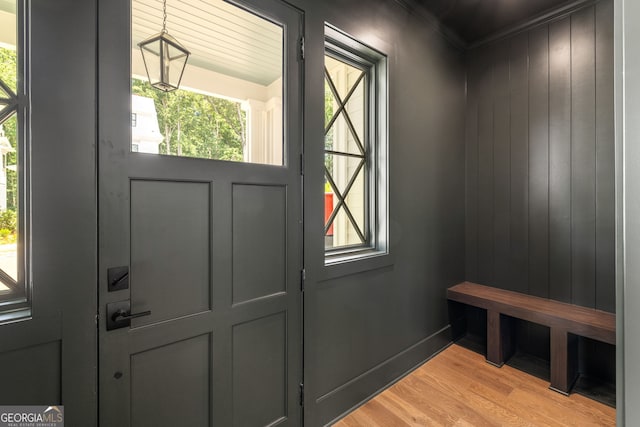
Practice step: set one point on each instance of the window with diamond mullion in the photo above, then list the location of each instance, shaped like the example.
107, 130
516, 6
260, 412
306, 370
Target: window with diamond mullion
346, 155
8, 109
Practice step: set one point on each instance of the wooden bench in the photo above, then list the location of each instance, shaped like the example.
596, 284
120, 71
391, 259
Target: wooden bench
566, 323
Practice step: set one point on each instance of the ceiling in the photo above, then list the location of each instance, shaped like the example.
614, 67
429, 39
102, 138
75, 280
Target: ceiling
475, 20
8, 6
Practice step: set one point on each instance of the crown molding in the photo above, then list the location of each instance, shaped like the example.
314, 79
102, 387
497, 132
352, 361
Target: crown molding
414, 6
536, 21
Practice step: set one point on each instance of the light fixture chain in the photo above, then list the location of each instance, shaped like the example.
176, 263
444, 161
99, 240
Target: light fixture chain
164, 16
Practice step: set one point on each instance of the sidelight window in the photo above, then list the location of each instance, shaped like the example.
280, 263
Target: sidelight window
13, 171
354, 147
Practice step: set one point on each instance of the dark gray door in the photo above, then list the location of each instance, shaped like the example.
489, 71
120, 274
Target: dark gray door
212, 249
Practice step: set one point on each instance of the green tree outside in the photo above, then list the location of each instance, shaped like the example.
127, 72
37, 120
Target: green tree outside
196, 125
8, 67
8, 223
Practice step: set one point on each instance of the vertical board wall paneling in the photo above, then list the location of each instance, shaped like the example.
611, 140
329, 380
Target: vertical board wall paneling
583, 158
560, 160
485, 169
541, 208
605, 161
519, 163
501, 169
471, 171
539, 162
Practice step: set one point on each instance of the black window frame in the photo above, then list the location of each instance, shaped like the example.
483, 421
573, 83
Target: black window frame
347, 49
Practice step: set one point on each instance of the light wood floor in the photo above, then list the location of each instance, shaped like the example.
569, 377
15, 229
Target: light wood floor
458, 388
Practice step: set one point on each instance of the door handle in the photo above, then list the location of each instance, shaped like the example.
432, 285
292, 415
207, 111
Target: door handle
125, 315
119, 314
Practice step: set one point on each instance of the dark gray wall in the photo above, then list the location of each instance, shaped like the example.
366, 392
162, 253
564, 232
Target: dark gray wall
366, 323
540, 213
50, 358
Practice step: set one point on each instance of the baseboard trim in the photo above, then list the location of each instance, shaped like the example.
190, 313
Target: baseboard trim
349, 396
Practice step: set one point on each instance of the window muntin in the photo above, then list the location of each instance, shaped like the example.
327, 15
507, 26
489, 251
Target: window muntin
346, 152
13, 289
355, 148
229, 105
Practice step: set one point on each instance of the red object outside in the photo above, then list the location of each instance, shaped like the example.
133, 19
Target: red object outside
328, 209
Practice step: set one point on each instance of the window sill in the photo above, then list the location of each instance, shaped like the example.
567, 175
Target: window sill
15, 315
340, 265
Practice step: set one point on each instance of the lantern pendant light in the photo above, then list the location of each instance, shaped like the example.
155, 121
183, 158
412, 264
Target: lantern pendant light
164, 58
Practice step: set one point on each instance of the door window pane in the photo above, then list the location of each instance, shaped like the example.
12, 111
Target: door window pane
345, 159
229, 105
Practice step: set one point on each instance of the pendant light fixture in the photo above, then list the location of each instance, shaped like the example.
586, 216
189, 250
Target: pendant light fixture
164, 58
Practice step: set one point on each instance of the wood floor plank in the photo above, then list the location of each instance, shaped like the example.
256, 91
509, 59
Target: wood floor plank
426, 400
450, 399
489, 398
484, 374
410, 415
382, 414
458, 388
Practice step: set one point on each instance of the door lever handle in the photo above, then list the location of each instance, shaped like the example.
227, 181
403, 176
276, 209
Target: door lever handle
125, 315
119, 315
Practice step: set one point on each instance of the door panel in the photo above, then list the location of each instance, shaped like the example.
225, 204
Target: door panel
260, 371
214, 252
259, 241
170, 249
183, 366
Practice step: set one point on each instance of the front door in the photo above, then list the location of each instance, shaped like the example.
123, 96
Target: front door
200, 245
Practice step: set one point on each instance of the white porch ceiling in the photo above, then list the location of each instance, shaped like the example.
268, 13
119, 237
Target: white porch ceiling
221, 37
8, 6
8, 24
